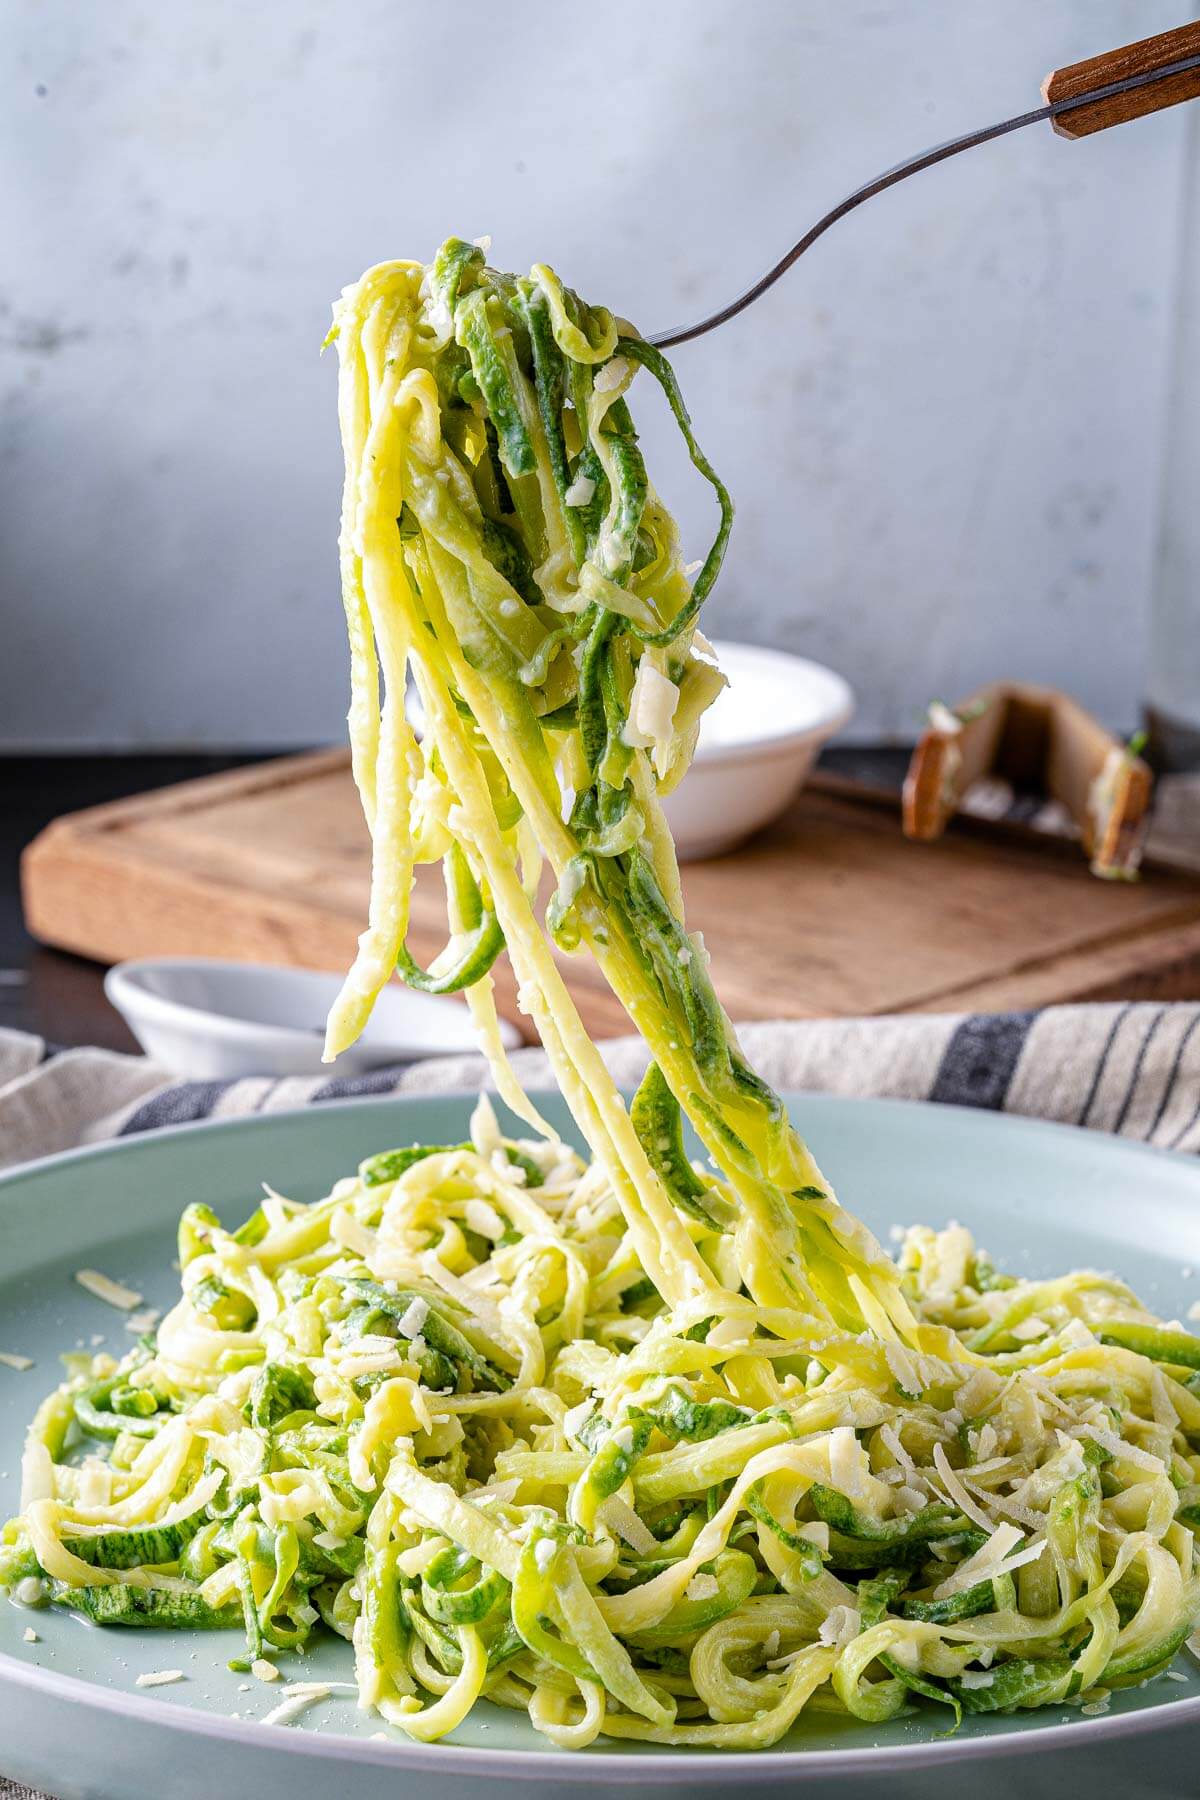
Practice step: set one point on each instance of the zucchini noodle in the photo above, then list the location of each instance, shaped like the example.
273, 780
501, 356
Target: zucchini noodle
642, 1446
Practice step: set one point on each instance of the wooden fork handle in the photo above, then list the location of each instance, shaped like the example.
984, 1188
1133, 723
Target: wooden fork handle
1118, 65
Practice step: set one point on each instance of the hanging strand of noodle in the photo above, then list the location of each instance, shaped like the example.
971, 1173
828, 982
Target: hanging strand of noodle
642, 1447
498, 500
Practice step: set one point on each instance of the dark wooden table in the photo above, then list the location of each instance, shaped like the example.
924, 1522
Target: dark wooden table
61, 997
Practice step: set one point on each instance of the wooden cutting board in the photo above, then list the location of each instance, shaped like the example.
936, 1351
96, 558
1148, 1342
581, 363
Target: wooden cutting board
829, 912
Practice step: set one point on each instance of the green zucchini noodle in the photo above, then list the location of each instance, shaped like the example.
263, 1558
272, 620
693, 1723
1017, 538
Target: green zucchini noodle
640, 1445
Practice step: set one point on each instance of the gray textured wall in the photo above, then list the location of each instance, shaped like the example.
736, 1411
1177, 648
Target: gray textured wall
947, 431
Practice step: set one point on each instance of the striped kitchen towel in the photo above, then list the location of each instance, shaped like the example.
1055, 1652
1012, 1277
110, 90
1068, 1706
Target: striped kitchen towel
1131, 1068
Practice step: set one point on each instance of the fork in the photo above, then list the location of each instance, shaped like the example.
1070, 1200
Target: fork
1080, 99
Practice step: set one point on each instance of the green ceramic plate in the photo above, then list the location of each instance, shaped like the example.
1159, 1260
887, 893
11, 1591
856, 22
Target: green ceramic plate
1042, 1198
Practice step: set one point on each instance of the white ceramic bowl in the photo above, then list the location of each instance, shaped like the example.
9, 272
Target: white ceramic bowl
758, 741
209, 1020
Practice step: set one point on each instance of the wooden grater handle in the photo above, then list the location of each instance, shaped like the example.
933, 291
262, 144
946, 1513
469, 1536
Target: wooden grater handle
1118, 65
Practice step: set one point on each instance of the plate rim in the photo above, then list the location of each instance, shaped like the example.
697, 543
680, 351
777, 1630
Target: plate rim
592, 1767
952, 1115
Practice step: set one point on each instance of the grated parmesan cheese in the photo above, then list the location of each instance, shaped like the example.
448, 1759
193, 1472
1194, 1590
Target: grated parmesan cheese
543, 1553
611, 375
977, 1392
909, 1499
12, 1359
840, 1626
903, 1368
891, 1438
958, 1492
1141, 1459
481, 1217
294, 1705
651, 718
103, 1287
986, 1561
262, 1670
622, 1519
30, 1635
577, 1417
1075, 1335
702, 1587
580, 491
986, 1442
417, 1559
846, 1462
413, 1318
159, 1678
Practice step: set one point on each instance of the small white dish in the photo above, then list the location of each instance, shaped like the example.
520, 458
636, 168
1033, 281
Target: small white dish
758, 742
210, 1020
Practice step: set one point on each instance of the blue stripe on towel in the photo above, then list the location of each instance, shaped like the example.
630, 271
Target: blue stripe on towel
979, 1061
180, 1105
352, 1087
